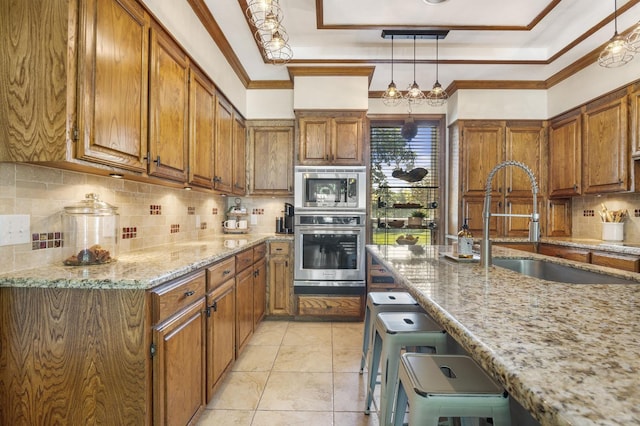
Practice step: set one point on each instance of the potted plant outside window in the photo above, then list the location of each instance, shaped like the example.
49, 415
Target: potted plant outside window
416, 218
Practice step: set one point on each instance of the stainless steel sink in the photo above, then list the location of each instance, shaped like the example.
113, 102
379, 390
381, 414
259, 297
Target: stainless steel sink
550, 271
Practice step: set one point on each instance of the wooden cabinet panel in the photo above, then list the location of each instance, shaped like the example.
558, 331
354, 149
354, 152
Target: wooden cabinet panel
271, 160
223, 146
244, 308
169, 298
220, 272
179, 384
259, 290
113, 66
565, 156
315, 136
169, 108
346, 141
559, 217
259, 252
519, 226
605, 148
244, 260
619, 261
570, 253
280, 278
523, 144
634, 128
472, 210
202, 104
481, 152
239, 161
330, 306
220, 333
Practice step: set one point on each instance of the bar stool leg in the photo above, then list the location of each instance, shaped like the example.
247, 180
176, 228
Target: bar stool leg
402, 402
366, 338
374, 362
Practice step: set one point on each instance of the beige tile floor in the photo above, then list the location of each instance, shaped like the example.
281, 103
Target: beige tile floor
295, 373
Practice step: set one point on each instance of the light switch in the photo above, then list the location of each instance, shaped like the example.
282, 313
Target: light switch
14, 229
254, 219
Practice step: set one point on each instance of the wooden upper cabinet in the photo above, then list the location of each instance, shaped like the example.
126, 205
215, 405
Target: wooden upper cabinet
565, 156
523, 144
202, 104
169, 108
605, 149
223, 146
331, 138
559, 218
239, 156
634, 133
481, 152
271, 159
113, 83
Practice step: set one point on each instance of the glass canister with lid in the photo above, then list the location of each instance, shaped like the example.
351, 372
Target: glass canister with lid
90, 232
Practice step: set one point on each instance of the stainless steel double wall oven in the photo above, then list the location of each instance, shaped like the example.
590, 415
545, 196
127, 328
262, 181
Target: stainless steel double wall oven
330, 230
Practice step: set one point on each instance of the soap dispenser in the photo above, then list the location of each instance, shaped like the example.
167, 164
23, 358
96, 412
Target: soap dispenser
465, 241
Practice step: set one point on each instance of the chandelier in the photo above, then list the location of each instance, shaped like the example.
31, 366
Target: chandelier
616, 53
414, 95
266, 17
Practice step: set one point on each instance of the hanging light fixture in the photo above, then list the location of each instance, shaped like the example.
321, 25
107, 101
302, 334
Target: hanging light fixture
414, 95
616, 53
392, 96
266, 16
437, 96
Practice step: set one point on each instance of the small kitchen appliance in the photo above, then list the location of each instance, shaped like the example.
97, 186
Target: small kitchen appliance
320, 188
284, 224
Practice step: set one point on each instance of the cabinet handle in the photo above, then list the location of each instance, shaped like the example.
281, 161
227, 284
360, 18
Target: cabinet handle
286, 263
226, 272
509, 190
148, 159
278, 249
326, 157
500, 204
189, 293
575, 187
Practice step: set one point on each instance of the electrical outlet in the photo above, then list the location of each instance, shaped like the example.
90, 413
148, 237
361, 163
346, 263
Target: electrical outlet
14, 229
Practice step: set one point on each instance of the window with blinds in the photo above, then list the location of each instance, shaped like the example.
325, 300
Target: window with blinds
398, 183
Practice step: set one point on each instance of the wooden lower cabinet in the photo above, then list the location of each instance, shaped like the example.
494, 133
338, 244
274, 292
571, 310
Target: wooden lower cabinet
331, 306
626, 262
221, 336
570, 253
280, 278
244, 308
259, 290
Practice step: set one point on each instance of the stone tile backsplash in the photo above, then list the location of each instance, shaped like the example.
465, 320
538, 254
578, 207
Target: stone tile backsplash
586, 222
150, 215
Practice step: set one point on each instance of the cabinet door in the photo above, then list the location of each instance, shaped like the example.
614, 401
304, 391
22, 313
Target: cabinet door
223, 146
259, 290
202, 103
113, 66
279, 285
169, 88
519, 226
346, 141
315, 140
565, 156
179, 385
239, 157
472, 209
244, 308
220, 333
634, 102
271, 164
605, 148
482, 151
523, 144
559, 218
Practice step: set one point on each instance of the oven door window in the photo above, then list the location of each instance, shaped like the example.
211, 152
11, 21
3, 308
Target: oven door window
328, 251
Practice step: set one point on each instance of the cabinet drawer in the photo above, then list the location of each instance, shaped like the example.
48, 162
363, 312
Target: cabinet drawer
244, 260
279, 248
343, 306
565, 252
618, 261
169, 298
220, 272
259, 252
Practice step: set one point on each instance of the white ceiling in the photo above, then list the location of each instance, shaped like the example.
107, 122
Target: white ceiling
522, 40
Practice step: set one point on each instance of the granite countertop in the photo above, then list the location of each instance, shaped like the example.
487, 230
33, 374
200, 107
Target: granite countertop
568, 353
141, 269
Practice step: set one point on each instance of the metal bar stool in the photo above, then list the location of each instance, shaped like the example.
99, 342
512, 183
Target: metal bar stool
383, 301
393, 332
435, 386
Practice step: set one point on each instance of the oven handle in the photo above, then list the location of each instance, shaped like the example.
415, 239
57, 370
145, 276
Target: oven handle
333, 228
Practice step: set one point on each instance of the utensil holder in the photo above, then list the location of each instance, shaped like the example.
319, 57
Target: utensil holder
613, 231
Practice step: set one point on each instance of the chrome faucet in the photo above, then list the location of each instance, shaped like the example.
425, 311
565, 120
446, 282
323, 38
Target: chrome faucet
534, 224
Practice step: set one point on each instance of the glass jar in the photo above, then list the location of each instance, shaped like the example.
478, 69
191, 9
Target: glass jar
90, 232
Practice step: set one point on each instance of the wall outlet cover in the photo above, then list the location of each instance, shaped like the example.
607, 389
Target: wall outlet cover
14, 229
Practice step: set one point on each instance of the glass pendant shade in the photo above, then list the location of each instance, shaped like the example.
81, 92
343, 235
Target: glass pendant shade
392, 96
616, 53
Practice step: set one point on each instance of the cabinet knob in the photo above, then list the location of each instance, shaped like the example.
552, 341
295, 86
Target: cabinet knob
226, 272
189, 293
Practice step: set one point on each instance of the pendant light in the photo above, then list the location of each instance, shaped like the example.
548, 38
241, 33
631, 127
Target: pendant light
616, 53
414, 95
437, 96
392, 96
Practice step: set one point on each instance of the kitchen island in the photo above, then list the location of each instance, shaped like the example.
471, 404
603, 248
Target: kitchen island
568, 353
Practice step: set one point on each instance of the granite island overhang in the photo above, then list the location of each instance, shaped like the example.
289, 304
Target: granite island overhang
568, 353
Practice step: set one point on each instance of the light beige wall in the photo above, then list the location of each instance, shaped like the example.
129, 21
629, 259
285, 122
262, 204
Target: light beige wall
331, 93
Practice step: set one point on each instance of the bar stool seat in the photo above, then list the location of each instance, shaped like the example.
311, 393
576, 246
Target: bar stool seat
435, 386
383, 301
393, 333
